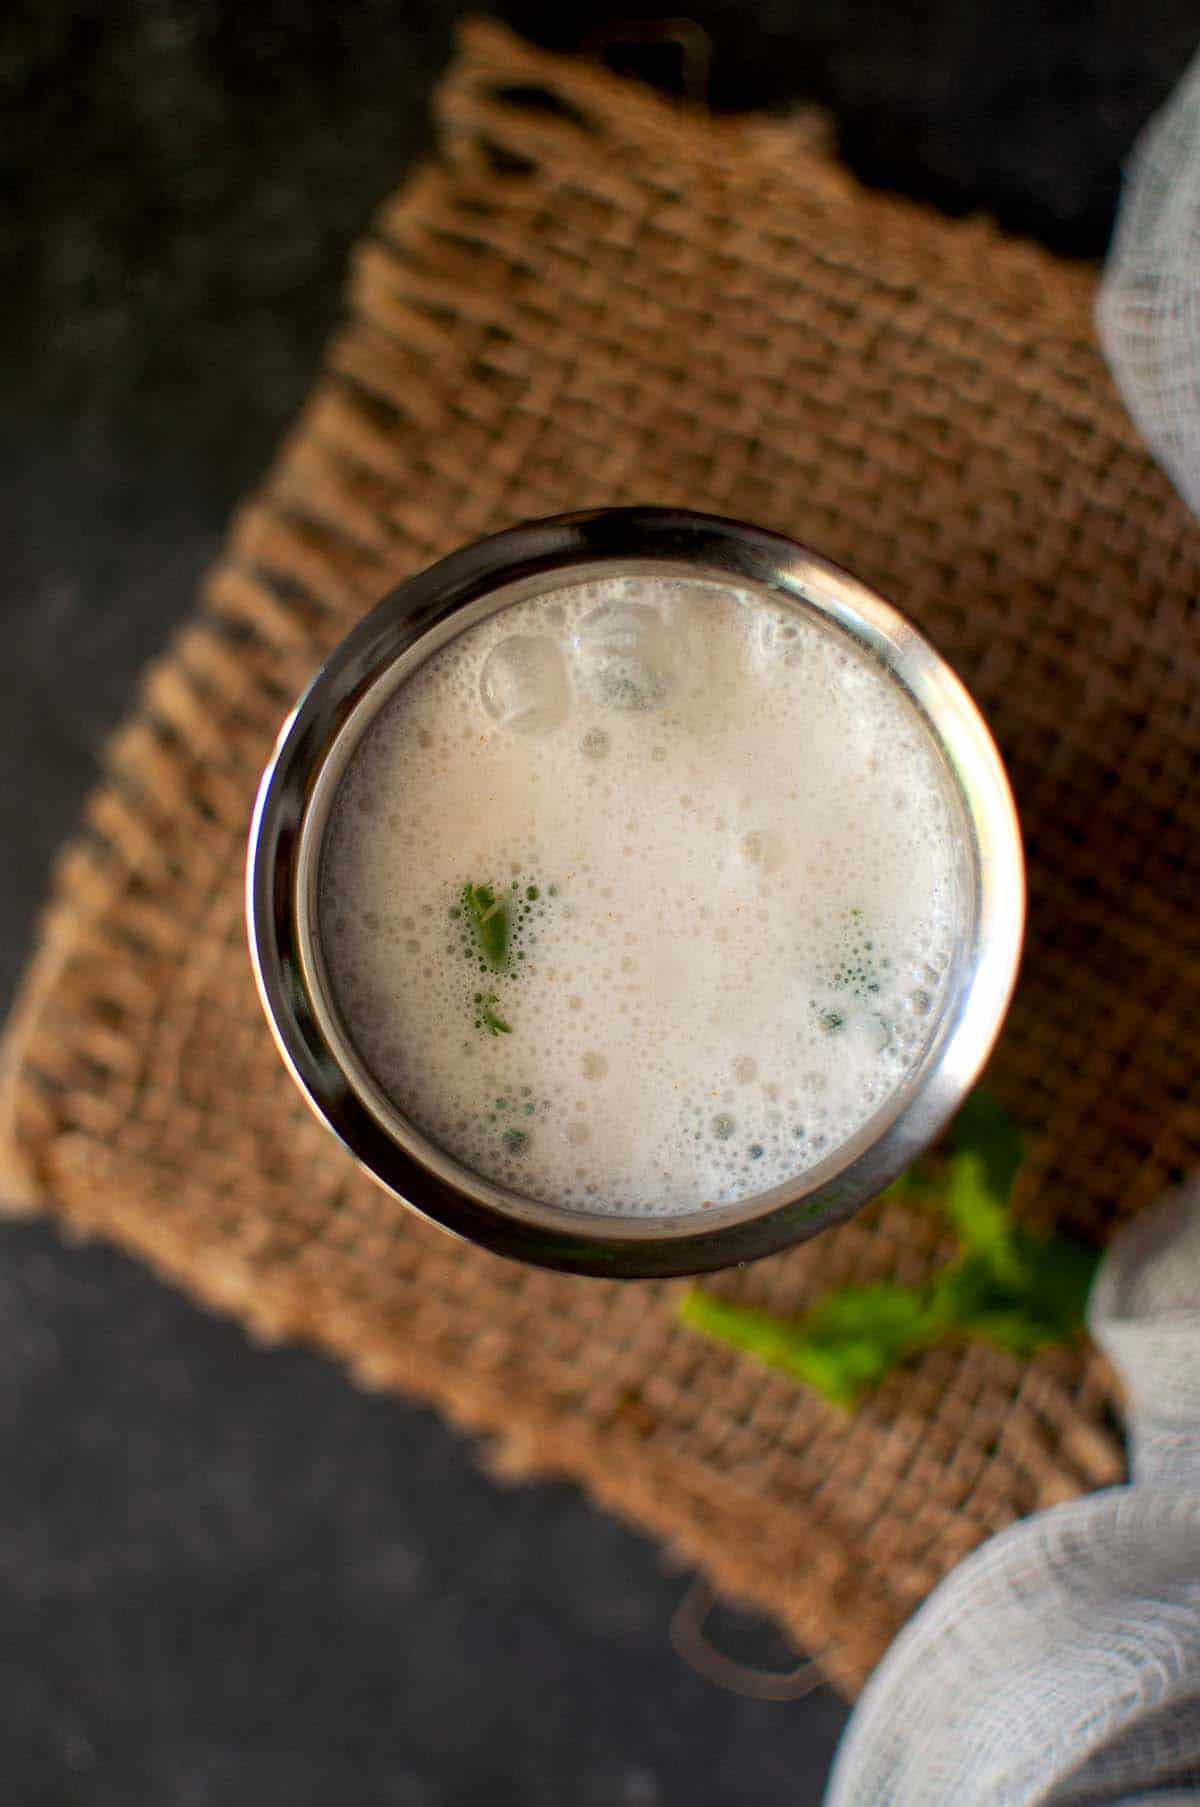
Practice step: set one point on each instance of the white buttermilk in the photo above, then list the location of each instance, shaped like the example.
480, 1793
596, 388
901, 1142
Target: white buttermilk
744, 848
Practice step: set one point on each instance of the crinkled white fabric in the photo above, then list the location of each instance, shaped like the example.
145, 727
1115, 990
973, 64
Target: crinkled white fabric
1059, 1666
1148, 311
1145, 1312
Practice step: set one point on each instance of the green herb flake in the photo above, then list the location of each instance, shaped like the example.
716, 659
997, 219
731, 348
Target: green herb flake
490, 923
489, 1017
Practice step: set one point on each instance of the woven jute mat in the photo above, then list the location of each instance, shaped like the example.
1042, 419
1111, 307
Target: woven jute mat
591, 297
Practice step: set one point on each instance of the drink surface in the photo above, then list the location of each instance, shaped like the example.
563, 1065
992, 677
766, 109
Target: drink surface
641, 895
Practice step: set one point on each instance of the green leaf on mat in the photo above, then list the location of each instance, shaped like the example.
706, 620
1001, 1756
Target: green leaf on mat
846, 1344
1005, 1287
983, 1127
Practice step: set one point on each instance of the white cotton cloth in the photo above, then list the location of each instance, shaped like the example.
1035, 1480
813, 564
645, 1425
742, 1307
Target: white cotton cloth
1059, 1665
1148, 310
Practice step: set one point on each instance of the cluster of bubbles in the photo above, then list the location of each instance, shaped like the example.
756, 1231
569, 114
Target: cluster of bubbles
725, 847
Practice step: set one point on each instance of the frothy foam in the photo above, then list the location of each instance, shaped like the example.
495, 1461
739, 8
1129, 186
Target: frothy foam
717, 851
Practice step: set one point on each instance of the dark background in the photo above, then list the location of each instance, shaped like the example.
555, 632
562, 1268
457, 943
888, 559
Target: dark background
225, 1576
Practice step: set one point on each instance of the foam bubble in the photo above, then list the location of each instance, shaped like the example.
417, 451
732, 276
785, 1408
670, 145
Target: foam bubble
727, 943
626, 656
523, 684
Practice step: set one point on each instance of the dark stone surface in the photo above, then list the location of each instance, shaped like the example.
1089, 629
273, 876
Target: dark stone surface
184, 176
225, 1575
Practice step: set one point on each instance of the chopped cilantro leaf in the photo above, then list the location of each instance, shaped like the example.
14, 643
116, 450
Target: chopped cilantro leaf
490, 923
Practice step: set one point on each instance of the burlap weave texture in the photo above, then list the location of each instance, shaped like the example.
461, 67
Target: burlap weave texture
593, 297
